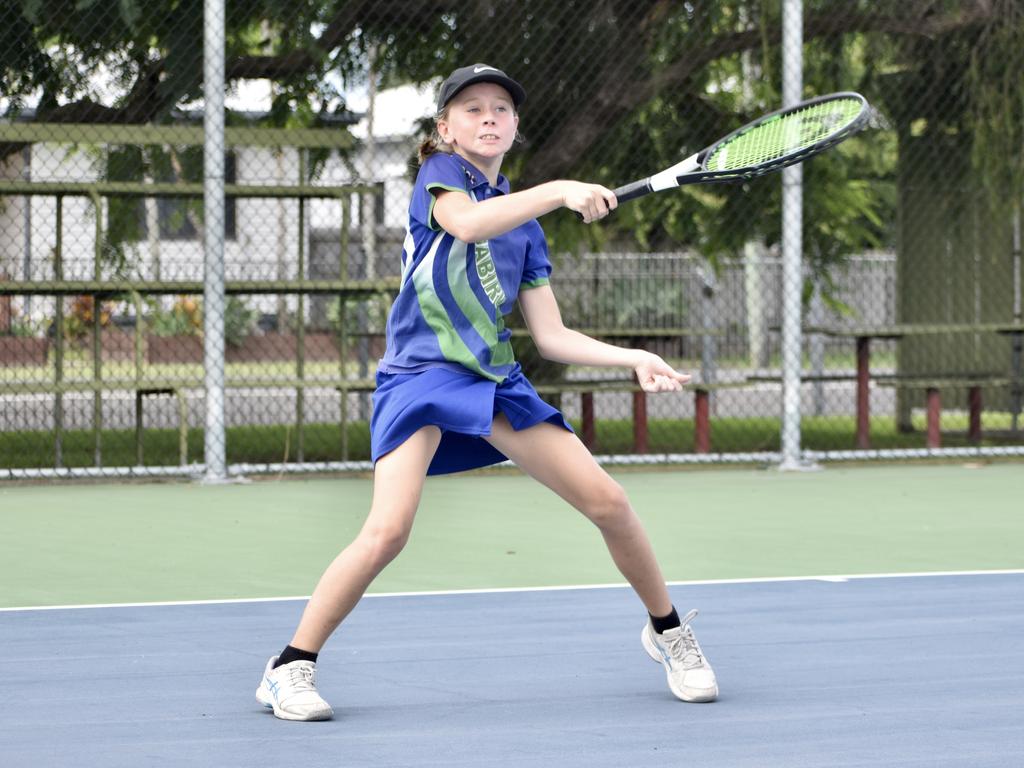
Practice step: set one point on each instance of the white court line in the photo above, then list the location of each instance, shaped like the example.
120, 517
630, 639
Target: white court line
838, 579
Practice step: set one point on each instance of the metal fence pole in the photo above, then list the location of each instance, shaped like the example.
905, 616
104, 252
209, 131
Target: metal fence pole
792, 242
213, 238
1017, 346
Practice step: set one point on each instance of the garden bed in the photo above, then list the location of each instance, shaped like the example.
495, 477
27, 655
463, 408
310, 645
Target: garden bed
23, 350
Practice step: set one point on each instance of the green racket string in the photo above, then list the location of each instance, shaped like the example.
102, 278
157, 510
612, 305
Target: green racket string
785, 135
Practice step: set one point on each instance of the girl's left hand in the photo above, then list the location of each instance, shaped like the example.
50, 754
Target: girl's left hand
655, 375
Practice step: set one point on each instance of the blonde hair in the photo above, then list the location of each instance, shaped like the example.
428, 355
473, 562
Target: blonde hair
434, 143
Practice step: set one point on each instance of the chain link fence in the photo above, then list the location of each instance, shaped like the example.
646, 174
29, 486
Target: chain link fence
906, 298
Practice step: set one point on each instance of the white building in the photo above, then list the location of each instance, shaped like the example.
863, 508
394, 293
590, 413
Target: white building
262, 233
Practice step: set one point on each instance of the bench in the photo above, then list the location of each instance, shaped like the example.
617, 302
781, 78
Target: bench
143, 392
934, 384
177, 388
863, 335
342, 388
775, 378
588, 429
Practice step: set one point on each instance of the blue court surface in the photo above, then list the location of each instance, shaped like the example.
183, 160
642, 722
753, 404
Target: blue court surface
899, 671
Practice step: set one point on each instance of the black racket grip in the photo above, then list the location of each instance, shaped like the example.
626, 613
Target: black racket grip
634, 190
628, 192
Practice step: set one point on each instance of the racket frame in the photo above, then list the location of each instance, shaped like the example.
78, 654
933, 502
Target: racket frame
693, 170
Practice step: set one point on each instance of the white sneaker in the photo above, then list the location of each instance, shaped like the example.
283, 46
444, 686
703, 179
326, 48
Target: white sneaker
290, 690
690, 677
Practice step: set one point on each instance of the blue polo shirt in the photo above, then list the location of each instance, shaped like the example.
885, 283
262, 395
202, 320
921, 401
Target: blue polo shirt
450, 310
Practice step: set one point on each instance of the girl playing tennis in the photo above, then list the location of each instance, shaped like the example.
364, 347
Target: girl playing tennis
450, 396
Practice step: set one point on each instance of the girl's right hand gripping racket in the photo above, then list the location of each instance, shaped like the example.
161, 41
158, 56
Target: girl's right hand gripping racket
782, 138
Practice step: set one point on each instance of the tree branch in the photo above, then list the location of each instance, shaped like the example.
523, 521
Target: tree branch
337, 32
582, 128
145, 102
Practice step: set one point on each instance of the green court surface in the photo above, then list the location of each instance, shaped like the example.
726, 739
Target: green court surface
112, 543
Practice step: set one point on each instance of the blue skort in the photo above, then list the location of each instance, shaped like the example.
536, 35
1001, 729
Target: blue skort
462, 405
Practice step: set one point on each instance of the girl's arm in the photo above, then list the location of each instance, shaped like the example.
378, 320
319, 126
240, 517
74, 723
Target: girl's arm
472, 222
562, 345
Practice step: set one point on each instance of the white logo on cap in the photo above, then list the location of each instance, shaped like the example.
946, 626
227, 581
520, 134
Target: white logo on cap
477, 70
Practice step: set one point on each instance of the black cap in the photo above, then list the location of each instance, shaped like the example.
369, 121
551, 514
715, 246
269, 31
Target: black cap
478, 73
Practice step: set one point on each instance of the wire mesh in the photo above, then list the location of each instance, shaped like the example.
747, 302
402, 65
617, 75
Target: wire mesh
910, 293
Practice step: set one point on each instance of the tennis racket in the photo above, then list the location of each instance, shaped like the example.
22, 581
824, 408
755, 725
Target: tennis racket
770, 143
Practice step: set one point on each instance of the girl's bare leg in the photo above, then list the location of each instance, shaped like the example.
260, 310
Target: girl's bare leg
560, 461
397, 484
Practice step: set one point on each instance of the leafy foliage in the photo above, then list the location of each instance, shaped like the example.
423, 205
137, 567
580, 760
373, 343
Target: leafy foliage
617, 89
239, 321
995, 92
639, 303
185, 318
81, 318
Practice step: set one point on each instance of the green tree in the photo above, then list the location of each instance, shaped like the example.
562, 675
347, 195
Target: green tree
617, 88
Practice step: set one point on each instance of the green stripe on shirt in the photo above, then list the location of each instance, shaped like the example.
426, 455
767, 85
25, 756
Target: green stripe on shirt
478, 316
452, 346
534, 283
431, 221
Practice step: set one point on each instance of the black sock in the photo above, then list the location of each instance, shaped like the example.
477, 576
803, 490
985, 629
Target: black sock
290, 654
665, 622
